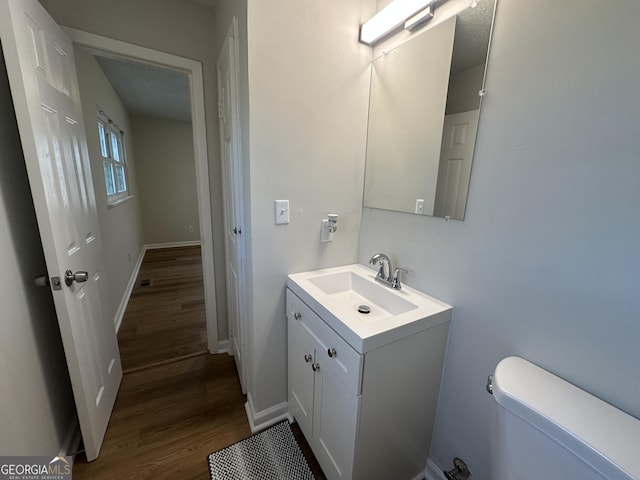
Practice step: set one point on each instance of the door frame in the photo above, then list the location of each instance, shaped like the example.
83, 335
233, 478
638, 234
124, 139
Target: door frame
122, 50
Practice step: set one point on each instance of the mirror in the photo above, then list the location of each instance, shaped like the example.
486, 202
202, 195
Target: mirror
423, 115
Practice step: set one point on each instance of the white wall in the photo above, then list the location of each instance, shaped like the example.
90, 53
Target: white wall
308, 88
545, 264
120, 226
179, 27
166, 172
36, 402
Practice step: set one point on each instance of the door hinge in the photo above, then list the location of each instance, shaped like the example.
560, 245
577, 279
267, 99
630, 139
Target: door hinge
220, 110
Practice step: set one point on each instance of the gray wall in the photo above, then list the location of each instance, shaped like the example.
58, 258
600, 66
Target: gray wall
308, 92
463, 90
179, 27
120, 225
545, 264
36, 402
166, 169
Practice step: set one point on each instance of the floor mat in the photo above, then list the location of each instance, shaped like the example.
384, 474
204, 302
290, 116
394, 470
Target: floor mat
272, 454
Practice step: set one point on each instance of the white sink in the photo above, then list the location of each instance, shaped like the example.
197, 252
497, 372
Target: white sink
352, 290
337, 293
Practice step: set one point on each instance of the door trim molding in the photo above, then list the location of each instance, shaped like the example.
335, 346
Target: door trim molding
120, 49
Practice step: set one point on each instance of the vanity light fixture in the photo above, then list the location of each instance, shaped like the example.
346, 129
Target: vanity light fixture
419, 19
391, 17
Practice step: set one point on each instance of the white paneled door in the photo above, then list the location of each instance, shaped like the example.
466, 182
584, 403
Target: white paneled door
227, 67
454, 171
42, 75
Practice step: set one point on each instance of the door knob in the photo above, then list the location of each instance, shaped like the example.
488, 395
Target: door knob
308, 358
297, 315
70, 277
332, 352
315, 367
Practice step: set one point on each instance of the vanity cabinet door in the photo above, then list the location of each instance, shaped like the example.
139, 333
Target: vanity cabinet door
324, 381
334, 424
301, 378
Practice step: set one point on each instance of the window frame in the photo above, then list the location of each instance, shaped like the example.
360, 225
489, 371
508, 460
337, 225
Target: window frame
114, 159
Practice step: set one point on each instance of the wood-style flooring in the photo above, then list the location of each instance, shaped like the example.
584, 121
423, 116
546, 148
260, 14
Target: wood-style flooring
174, 406
165, 317
168, 418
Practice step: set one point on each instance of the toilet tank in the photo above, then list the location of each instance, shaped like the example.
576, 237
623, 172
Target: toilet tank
546, 428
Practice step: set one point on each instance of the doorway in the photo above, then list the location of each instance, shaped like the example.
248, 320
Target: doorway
113, 50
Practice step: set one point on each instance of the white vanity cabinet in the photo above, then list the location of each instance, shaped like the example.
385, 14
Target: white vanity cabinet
366, 415
324, 383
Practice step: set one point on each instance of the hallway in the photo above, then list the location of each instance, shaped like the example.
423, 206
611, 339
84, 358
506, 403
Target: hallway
176, 403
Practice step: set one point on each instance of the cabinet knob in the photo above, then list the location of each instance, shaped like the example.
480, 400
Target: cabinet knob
297, 315
315, 367
332, 352
308, 358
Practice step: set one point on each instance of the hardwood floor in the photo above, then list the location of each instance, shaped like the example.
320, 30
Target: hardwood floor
168, 418
165, 320
173, 407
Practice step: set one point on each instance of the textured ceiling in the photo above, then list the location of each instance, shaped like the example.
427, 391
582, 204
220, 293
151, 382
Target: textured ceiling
161, 92
473, 28
149, 90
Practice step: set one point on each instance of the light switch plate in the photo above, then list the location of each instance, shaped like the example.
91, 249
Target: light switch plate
282, 212
420, 206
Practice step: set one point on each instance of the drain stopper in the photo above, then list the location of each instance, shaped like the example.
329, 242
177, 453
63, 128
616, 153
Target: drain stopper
364, 309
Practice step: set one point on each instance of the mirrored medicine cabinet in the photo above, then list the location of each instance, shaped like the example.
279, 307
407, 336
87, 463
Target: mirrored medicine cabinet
424, 109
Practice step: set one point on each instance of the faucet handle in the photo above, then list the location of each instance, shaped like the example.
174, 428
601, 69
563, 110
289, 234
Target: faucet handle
395, 281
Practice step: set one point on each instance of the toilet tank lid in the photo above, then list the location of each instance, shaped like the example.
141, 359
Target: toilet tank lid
603, 436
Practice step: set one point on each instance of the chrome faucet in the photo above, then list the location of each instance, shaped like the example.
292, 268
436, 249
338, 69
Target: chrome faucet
384, 272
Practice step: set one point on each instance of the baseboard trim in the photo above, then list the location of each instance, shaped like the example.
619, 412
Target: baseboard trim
433, 472
224, 346
127, 293
264, 419
71, 440
154, 246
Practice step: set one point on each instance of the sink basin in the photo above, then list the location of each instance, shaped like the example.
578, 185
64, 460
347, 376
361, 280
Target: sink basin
353, 290
337, 293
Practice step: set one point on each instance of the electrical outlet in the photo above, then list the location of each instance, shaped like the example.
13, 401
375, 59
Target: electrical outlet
190, 228
420, 206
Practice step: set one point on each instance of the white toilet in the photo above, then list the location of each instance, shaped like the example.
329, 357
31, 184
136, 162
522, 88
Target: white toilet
547, 429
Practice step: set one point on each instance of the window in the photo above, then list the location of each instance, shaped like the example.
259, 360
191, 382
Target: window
113, 159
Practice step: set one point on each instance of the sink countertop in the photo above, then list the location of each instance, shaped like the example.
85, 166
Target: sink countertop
418, 311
